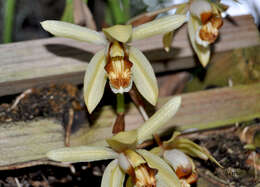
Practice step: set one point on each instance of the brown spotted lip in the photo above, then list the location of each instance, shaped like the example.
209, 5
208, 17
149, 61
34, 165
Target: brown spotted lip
118, 67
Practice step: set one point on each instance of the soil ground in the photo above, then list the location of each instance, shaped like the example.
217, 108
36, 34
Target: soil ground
55, 101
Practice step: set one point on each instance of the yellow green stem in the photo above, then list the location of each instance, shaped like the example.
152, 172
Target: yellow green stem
120, 109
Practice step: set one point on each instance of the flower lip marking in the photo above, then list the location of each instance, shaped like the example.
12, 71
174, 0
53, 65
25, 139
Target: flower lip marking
209, 31
118, 68
205, 17
211, 22
135, 166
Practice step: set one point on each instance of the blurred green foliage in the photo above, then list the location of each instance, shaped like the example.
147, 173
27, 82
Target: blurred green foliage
9, 10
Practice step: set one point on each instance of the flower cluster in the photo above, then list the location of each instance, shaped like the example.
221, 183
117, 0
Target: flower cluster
143, 167
123, 65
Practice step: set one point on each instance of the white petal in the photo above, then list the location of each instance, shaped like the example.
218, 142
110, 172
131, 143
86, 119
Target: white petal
158, 26
95, 80
124, 162
199, 6
164, 114
177, 158
68, 30
113, 176
165, 173
81, 154
203, 53
143, 76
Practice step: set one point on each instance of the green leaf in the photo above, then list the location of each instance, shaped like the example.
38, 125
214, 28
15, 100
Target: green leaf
68, 12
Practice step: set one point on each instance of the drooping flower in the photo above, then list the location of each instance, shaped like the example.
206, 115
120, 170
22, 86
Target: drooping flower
204, 23
143, 167
121, 63
175, 152
203, 26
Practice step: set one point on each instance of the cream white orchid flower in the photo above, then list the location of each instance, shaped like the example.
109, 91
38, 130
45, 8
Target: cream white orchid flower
144, 167
203, 26
204, 23
121, 63
177, 151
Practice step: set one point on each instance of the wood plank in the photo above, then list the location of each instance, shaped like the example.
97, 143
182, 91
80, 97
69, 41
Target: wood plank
40, 62
21, 142
26, 141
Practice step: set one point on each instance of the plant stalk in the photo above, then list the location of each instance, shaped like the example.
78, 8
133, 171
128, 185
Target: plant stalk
8, 20
120, 109
117, 13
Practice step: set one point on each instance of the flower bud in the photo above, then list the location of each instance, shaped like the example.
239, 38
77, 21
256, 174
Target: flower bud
179, 162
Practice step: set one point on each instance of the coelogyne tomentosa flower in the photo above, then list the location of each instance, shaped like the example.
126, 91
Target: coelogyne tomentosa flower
143, 167
121, 63
203, 26
175, 152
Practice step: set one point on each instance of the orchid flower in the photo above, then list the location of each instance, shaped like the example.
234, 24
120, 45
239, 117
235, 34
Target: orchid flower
121, 63
203, 26
143, 167
204, 23
176, 152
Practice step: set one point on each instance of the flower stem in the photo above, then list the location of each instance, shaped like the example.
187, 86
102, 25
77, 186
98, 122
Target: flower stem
119, 124
117, 12
120, 109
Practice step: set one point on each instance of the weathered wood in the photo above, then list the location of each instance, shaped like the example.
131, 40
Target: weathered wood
36, 63
25, 141
20, 141
242, 66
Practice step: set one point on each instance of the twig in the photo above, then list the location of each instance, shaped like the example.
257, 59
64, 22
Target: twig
20, 97
78, 13
45, 180
90, 22
215, 179
145, 144
17, 182
143, 113
254, 163
68, 127
82, 15
137, 99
